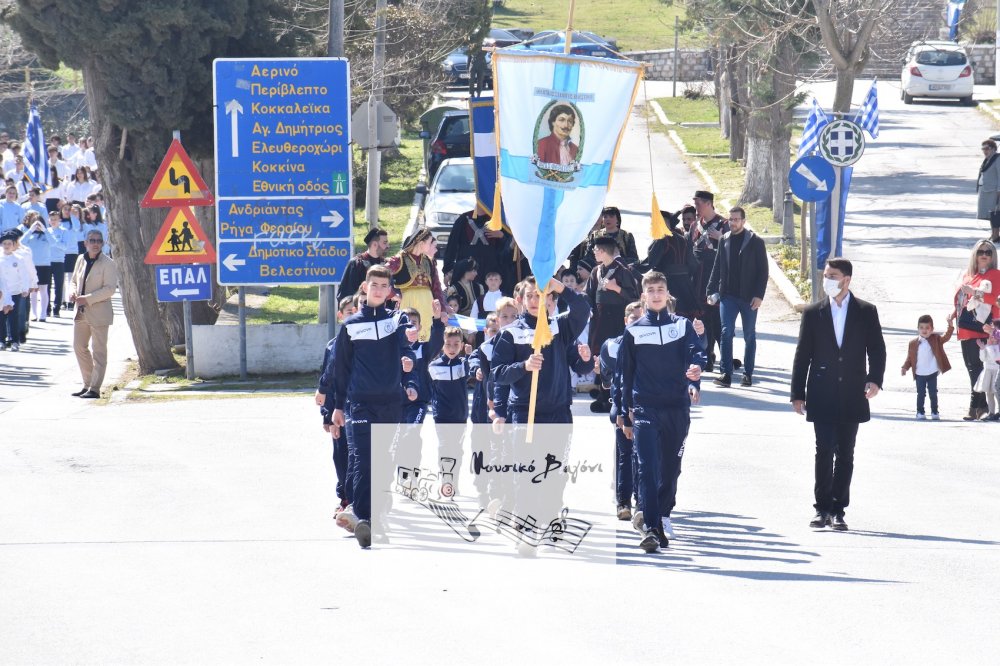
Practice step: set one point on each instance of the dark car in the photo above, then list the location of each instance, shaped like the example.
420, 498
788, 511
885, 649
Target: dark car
456, 67
500, 39
450, 140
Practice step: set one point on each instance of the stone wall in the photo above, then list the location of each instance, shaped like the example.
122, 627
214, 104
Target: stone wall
692, 64
984, 62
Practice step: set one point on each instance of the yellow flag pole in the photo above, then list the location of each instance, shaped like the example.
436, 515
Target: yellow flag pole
543, 336
569, 27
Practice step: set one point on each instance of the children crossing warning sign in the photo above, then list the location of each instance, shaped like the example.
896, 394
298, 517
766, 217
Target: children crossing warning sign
181, 240
177, 182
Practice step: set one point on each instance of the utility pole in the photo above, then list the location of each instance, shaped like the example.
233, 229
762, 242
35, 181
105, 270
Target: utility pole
374, 154
334, 49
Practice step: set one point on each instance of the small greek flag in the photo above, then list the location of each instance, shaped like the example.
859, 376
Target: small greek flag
867, 115
954, 13
36, 155
815, 123
467, 324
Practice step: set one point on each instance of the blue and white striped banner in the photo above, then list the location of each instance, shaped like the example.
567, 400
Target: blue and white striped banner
483, 148
559, 124
815, 123
36, 155
867, 115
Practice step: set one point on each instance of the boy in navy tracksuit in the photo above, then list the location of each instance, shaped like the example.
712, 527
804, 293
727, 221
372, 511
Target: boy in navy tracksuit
414, 411
479, 366
661, 358
325, 400
626, 481
514, 359
450, 400
367, 357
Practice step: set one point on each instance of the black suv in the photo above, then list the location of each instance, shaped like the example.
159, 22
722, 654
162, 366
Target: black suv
450, 140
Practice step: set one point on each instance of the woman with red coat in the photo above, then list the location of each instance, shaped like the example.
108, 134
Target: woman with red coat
981, 281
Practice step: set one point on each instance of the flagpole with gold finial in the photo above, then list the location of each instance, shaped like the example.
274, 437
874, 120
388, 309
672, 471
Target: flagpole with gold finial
543, 333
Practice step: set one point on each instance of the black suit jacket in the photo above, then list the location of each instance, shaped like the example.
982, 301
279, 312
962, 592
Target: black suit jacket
753, 268
832, 379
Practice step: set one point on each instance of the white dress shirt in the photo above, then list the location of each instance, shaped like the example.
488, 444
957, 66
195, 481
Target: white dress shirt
839, 314
926, 362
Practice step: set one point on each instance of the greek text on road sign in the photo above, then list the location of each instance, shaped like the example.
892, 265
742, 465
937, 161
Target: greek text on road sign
177, 182
184, 283
283, 164
842, 142
811, 178
181, 240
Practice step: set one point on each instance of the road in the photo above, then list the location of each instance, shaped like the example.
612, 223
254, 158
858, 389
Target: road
198, 531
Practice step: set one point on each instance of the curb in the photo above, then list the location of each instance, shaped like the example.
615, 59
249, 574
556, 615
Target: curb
781, 281
988, 110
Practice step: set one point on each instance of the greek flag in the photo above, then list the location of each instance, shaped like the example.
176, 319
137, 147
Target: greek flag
484, 151
954, 13
467, 324
867, 115
36, 155
815, 123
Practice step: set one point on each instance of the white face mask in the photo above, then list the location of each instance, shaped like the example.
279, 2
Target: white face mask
831, 287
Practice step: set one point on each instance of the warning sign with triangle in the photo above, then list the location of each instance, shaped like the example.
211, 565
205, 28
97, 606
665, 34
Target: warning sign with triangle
177, 182
181, 240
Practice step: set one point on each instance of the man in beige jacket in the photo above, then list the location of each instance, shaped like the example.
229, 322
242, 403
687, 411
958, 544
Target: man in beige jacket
94, 281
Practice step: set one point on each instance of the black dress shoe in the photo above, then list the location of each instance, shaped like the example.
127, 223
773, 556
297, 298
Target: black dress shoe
837, 522
77, 394
820, 520
90, 395
600, 407
725, 381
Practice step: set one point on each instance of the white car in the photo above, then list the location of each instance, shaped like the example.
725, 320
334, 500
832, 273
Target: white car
937, 69
452, 192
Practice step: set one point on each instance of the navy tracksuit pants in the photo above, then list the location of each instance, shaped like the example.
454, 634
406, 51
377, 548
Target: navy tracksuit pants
658, 435
359, 442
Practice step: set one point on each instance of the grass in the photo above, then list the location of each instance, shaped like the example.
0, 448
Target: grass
637, 25
297, 305
395, 194
684, 110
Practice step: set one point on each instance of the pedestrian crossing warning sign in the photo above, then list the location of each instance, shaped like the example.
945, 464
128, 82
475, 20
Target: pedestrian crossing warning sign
177, 182
181, 240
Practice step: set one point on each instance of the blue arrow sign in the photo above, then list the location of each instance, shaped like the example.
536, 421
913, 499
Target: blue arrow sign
283, 261
812, 178
284, 219
283, 170
189, 282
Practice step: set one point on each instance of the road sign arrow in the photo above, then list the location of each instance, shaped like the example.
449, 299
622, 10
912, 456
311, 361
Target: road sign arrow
334, 218
231, 262
804, 171
233, 109
177, 293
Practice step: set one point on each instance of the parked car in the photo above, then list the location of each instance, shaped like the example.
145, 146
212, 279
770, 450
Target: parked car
452, 192
584, 43
937, 69
500, 39
456, 67
450, 140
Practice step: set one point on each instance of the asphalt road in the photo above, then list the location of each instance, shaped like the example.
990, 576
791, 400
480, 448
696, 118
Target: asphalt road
199, 531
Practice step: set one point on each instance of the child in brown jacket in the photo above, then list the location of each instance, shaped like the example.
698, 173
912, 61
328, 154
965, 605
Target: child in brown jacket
926, 358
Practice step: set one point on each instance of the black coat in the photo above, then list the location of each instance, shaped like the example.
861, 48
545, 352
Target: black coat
830, 379
753, 267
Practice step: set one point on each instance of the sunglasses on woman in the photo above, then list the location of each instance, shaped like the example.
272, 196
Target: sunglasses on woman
984, 253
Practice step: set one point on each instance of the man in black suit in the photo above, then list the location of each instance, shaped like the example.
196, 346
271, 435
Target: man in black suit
831, 386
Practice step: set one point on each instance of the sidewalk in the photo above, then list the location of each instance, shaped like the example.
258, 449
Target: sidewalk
36, 382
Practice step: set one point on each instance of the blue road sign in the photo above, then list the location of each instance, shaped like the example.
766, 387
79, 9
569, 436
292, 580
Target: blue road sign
283, 261
283, 169
303, 219
811, 178
188, 282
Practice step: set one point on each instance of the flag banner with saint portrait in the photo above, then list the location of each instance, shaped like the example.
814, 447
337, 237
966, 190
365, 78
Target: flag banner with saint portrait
559, 122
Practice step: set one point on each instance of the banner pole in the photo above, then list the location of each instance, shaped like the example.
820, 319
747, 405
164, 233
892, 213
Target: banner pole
569, 33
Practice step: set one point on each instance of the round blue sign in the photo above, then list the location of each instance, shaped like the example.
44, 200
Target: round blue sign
811, 178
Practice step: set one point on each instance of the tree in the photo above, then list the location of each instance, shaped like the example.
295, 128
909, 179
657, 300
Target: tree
146, 70
846, 28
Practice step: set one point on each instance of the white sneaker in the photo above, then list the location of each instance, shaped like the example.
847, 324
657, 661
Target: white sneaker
668, 529
637, 522
921, 416
935, 417
347, 520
